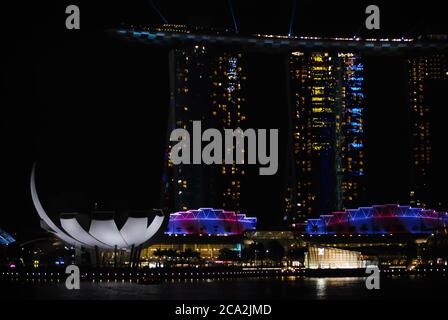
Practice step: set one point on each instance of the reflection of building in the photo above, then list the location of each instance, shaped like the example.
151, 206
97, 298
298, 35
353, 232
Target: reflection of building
206, 84
5, 238
332, 258
427, 83
380, 219
326, 160
206, 221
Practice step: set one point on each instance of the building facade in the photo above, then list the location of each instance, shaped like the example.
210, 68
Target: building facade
378, 219
427, 76
325, 164
332, 258
208, 221
206, 84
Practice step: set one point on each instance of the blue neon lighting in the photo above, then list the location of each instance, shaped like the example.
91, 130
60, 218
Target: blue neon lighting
6, 238
356, 110
383, 219
209, 221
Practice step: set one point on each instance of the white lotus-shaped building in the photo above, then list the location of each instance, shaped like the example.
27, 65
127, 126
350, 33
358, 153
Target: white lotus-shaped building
102, 231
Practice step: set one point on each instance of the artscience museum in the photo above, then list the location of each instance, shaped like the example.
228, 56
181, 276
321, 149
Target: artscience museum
100, 230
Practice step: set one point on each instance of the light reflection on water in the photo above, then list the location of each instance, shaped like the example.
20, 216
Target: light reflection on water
342, 283
289, 287
321, 286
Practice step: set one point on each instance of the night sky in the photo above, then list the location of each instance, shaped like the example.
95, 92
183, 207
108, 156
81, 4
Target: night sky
92, 110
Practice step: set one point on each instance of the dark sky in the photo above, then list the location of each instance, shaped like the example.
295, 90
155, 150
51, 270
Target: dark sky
91, 109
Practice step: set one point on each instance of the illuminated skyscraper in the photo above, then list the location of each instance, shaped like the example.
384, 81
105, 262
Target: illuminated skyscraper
426, 75
227, 109
207, 84
350, 131
326, 147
